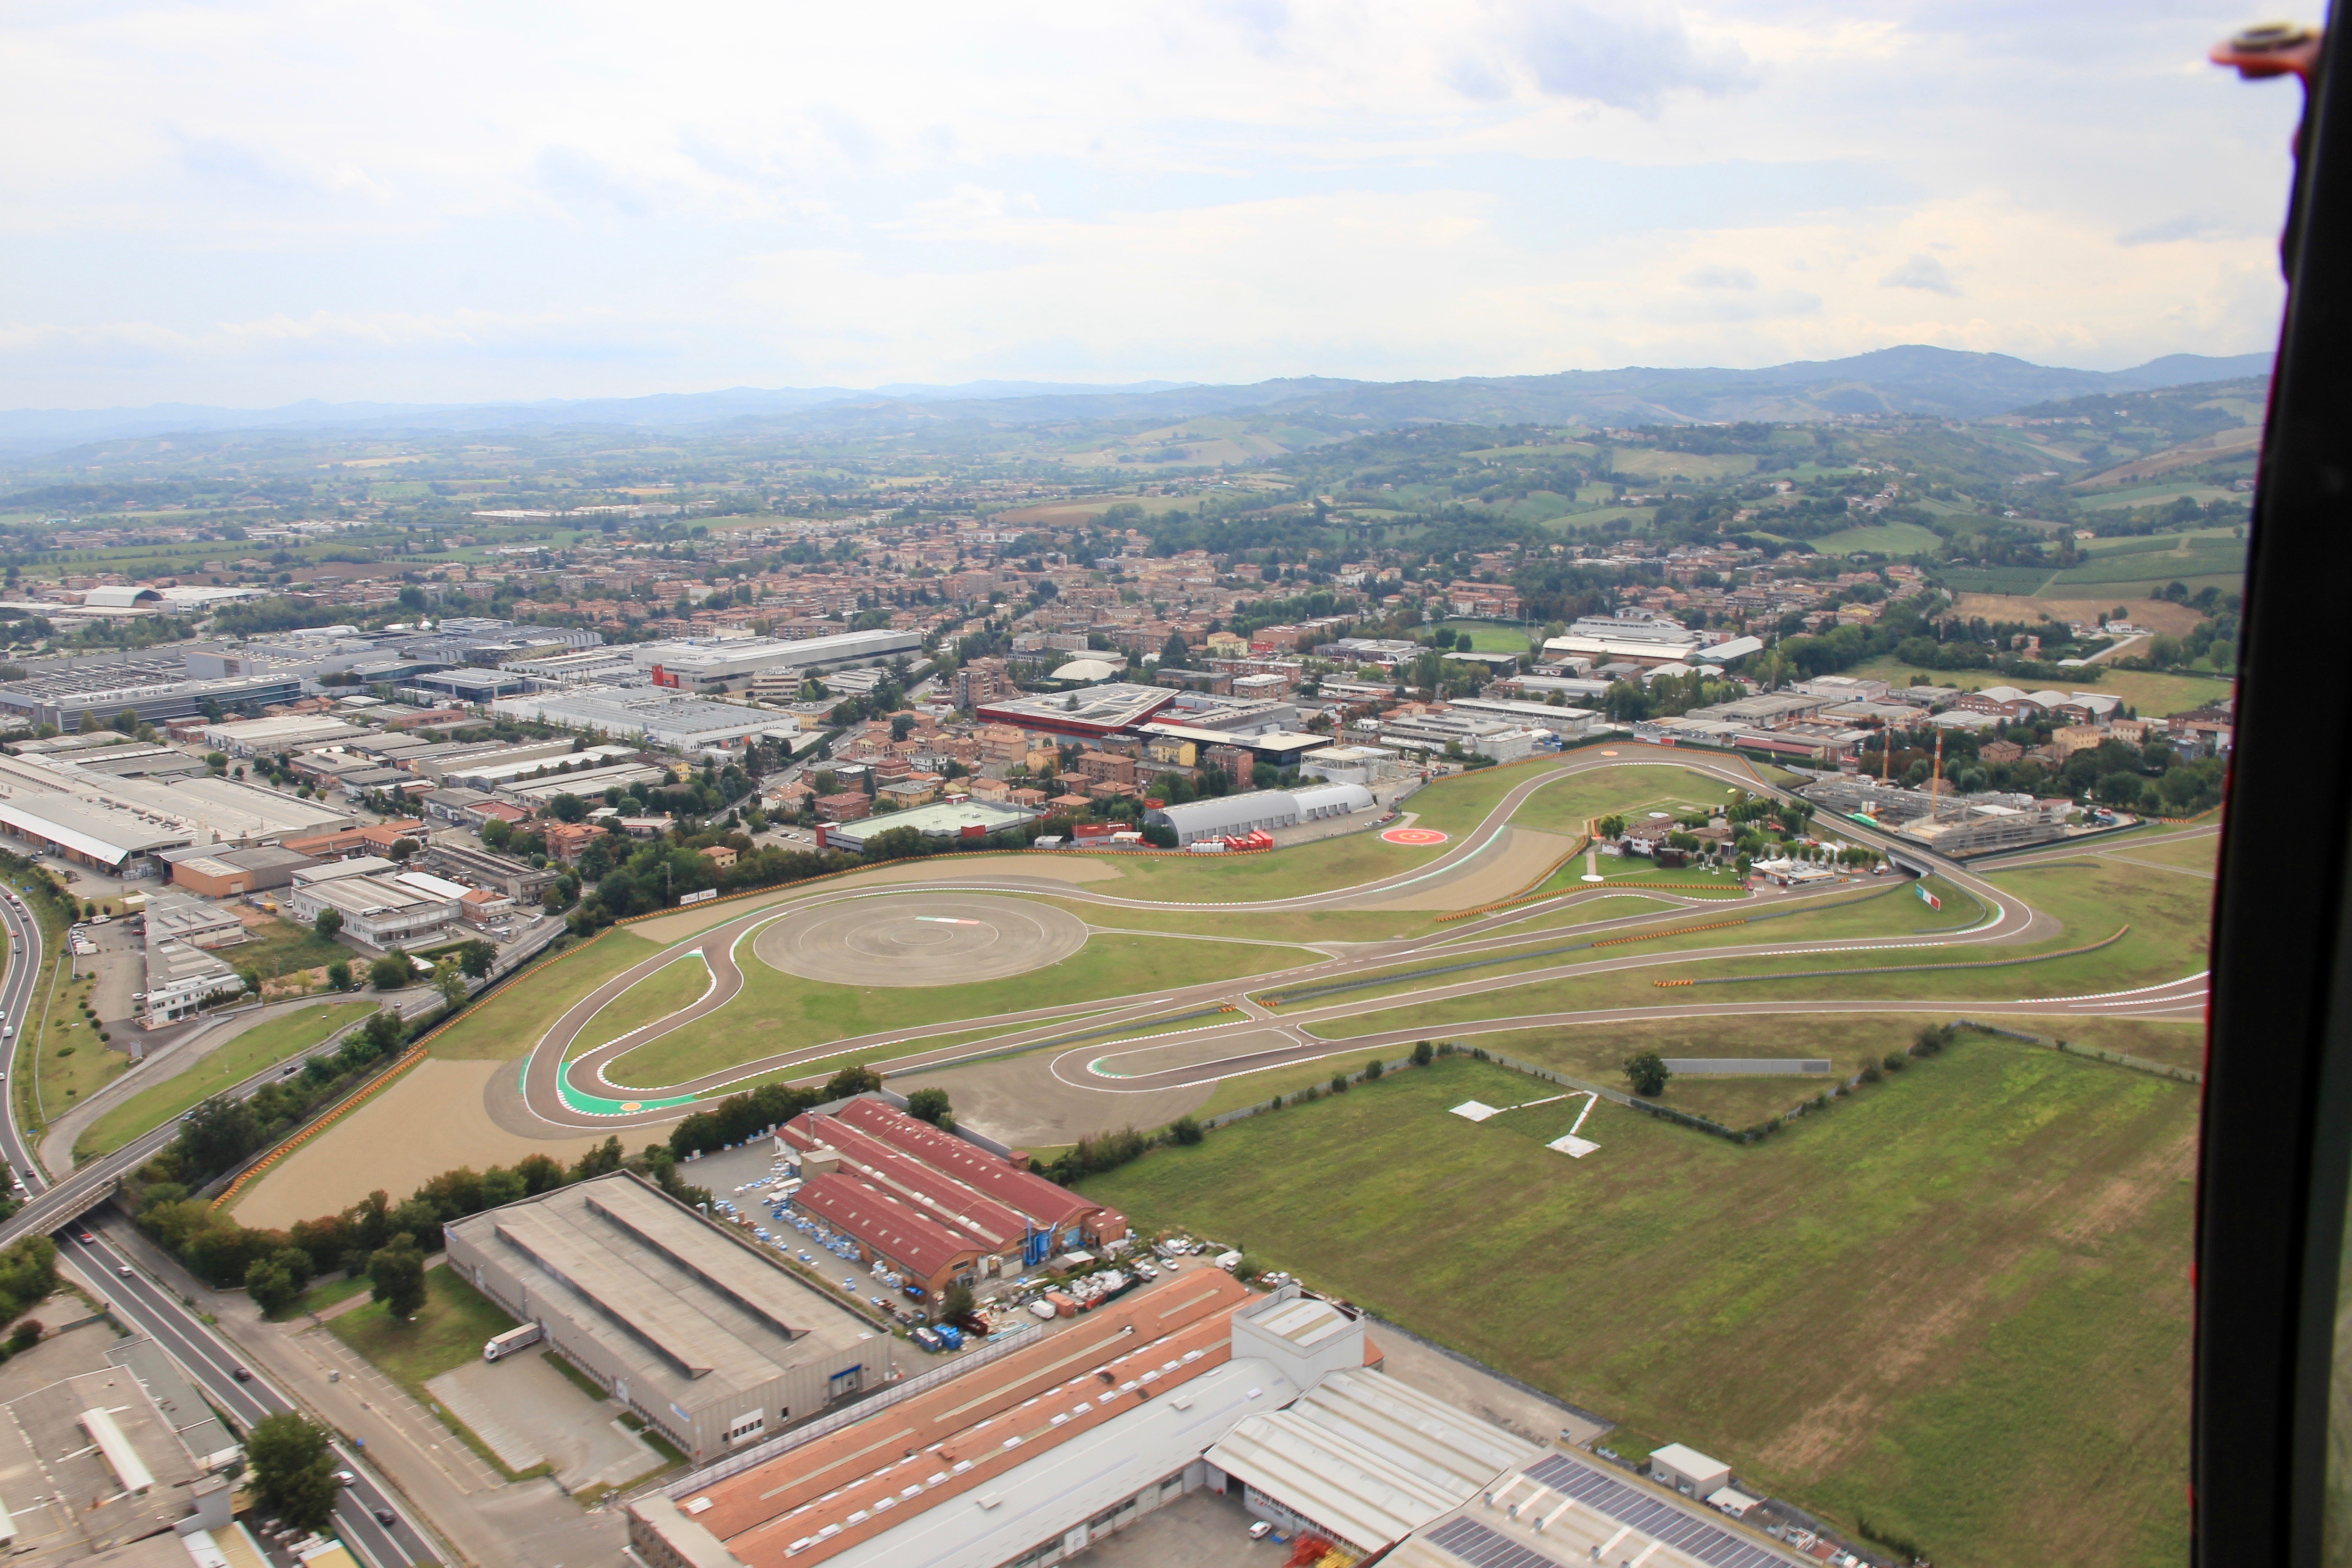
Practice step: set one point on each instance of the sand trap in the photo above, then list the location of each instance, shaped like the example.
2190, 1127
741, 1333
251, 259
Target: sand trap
1496, 874
430, 1121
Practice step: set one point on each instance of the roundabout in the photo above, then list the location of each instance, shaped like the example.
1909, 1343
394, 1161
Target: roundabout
919, 940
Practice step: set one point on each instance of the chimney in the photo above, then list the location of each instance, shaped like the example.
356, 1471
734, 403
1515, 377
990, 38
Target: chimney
1018, 1159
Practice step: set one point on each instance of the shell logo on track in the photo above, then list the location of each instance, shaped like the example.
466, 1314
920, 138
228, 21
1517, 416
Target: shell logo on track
1413, 836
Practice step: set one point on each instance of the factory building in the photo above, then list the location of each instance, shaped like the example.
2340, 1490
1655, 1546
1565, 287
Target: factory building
897, 1183
380, 910
654, 717
972, 819
1089, 713
1194, 1382
1262, 810
715, 1345
718, 663
153, 691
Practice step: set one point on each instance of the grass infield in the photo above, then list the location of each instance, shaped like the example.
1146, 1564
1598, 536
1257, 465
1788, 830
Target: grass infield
1954, 1303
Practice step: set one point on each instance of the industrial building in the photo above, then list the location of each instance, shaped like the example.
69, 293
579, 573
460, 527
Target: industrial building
714, 664
1277, 1401
380, 910
458, 858
1089, 713
712, 1342
181, 979
929, 1204
293, 732
1504, 740
656, 718
1262, 810
114, 1455
974, 819
214, 873
176, 917
1568, 724
152, 690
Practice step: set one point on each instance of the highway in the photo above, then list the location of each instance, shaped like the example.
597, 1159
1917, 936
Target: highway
149, 1308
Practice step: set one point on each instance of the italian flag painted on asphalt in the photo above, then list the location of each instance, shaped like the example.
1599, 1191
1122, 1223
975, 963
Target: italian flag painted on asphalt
1927, 898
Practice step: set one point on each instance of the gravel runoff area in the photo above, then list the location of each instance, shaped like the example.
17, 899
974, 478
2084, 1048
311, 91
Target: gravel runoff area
914, 939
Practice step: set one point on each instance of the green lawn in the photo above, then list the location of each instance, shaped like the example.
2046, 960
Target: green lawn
510, 1023
777, 1012
258, 1048
1630, 790
1956, 1302
73, 1063
670, 989
1879, 538
1496, 636
447, 1333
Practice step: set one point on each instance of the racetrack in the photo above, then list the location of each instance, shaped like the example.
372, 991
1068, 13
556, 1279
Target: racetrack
1040, 1076
932, 939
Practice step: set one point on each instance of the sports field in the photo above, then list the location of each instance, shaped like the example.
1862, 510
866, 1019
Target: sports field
1954, 1303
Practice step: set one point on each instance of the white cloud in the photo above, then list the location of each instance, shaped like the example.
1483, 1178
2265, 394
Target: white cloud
1922, 271
257, 200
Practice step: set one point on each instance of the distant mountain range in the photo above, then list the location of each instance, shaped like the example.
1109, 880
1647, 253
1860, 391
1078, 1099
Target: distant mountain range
1912, 379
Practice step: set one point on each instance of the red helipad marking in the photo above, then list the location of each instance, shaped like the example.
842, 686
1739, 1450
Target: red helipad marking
1413, 836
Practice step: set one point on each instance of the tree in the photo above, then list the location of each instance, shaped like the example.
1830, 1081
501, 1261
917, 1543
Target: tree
452, 984
1173, 653
1184, 1130
1610, 826
397, 1273
330, 922
392, 972
293, 1469
930, 1105
275, 1282
957, 1302
339, 975
496, 833
567, 808
1647, 1072
1423, 1053
853, 1081
402, 848
476, 958
1372, 1070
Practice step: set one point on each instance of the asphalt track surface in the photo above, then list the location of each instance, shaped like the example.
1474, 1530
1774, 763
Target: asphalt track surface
866, 924
920, 938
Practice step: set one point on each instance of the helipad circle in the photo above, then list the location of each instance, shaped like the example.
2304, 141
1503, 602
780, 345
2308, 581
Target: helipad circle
920, 938
1413, 836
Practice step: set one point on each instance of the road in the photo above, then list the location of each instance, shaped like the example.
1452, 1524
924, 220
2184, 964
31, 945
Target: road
159, 1313
211, 1363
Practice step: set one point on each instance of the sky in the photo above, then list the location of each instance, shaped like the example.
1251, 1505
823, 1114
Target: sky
253, 201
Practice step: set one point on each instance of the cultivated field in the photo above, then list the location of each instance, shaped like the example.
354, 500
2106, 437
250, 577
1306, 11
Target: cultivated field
1954, 1303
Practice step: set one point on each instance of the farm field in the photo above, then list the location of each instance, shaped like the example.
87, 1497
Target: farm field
258, 1048
1880, 538
2150, 694
1873, 1313
779, 1011
510, 1023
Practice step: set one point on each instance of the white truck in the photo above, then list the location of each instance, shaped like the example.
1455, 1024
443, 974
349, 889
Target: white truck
513, 1340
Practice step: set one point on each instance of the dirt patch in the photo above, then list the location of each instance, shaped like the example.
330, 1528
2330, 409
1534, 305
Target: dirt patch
2158, 615
2203, 449
431, 1121
1525, 855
